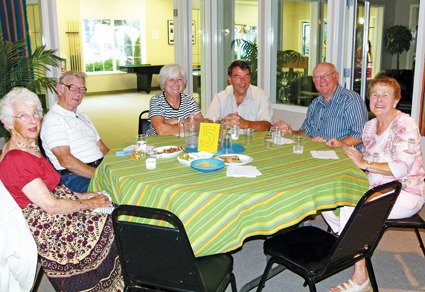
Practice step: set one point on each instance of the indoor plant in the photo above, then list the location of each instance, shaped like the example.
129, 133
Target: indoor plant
397, 40
284, 77
29, 72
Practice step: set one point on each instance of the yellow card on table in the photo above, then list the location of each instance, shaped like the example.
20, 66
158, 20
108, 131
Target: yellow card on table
208, 137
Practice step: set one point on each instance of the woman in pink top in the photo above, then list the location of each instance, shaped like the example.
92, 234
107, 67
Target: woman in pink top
391, 151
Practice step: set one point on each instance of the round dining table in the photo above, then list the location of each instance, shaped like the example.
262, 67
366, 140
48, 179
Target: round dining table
220, 212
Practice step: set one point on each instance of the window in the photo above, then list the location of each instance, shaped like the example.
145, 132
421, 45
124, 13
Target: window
110, 43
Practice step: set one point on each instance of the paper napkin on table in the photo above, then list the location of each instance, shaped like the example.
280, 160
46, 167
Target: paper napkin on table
242, 171
330, 154
284, 141
129, 149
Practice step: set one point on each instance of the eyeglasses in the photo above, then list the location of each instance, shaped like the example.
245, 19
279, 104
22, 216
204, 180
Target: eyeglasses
27, 117
73, 87
325, 76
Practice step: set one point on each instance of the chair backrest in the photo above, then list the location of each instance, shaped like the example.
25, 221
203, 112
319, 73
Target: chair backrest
144, 123
365, 227
153, 254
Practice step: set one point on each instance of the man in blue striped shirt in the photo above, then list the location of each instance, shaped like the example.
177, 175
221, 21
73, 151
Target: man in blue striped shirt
337, 113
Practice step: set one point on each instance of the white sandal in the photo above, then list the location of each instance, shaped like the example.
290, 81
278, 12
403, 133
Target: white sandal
350, 286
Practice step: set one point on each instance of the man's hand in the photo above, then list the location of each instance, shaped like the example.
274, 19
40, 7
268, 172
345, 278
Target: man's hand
284, 127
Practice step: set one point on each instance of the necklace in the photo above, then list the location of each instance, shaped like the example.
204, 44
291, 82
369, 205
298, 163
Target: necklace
23, 145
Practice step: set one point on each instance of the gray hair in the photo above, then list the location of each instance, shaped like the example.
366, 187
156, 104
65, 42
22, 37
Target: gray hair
77, 74
170, 71
18, 95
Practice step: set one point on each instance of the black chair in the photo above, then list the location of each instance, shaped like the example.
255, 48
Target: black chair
415, 222
38, 278
316, 254
158, 257
144, 123
40, 146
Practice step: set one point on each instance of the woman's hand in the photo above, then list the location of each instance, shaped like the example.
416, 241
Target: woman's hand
355, 155
93, 200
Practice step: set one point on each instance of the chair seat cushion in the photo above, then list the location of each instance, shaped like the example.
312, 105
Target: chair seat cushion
215, 269
308, 247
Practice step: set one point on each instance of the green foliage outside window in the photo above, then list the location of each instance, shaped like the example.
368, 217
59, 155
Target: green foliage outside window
101, 66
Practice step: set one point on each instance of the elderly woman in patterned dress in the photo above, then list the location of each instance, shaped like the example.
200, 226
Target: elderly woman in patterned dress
76, 245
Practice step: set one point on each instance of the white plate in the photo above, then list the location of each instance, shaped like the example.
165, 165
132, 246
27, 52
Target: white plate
243, 158
194, 156
161, 152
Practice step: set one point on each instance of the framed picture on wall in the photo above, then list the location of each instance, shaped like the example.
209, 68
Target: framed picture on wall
170, 25
170, 32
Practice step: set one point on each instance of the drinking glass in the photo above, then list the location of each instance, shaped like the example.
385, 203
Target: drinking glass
268, 140
227, 143
298, 147
141, 142
234, 130
248, 135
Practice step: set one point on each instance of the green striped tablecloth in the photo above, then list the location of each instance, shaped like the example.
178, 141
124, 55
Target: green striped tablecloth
220, 212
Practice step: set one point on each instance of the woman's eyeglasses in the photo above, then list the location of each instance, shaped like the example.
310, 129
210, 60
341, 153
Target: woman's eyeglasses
27, 117
73, 87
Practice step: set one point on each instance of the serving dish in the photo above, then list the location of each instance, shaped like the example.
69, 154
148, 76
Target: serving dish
165, 152
207, 165
193, 156
235, 159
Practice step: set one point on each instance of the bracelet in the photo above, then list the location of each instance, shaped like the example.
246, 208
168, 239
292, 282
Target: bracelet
368, 165
81, 205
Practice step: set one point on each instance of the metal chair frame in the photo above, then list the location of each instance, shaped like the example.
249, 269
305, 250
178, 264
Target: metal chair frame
316, 254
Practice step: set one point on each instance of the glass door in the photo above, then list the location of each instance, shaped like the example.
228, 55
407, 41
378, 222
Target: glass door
361, 49
300, 43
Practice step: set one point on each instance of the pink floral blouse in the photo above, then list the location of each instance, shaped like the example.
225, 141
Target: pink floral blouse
400, 146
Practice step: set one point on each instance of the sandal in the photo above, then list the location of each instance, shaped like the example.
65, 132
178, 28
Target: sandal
350, 286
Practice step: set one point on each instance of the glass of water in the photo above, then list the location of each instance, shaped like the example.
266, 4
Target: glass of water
227, 143
141, 142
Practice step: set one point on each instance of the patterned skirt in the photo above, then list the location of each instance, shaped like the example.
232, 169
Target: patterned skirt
77, 251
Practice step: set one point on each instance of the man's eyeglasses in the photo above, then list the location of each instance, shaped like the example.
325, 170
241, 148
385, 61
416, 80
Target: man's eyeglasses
73, 87
326, 76
27, 117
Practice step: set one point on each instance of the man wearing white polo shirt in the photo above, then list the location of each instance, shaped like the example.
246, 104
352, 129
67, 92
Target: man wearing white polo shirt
69, 138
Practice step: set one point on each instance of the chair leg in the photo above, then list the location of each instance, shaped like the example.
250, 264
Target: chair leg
233, 283
37, 282
371, 274
421, 243
265, 274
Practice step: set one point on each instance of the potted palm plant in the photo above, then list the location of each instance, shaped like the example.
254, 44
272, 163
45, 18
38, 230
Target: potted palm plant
285, 78
18, 70
249, 54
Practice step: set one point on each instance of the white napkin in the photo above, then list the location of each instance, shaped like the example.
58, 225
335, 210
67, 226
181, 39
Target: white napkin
242, 171
129, 148
132, 147
284, 141
330, 154
105, 210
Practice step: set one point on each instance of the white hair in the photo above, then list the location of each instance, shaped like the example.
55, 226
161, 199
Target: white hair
170, 71
15, 96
